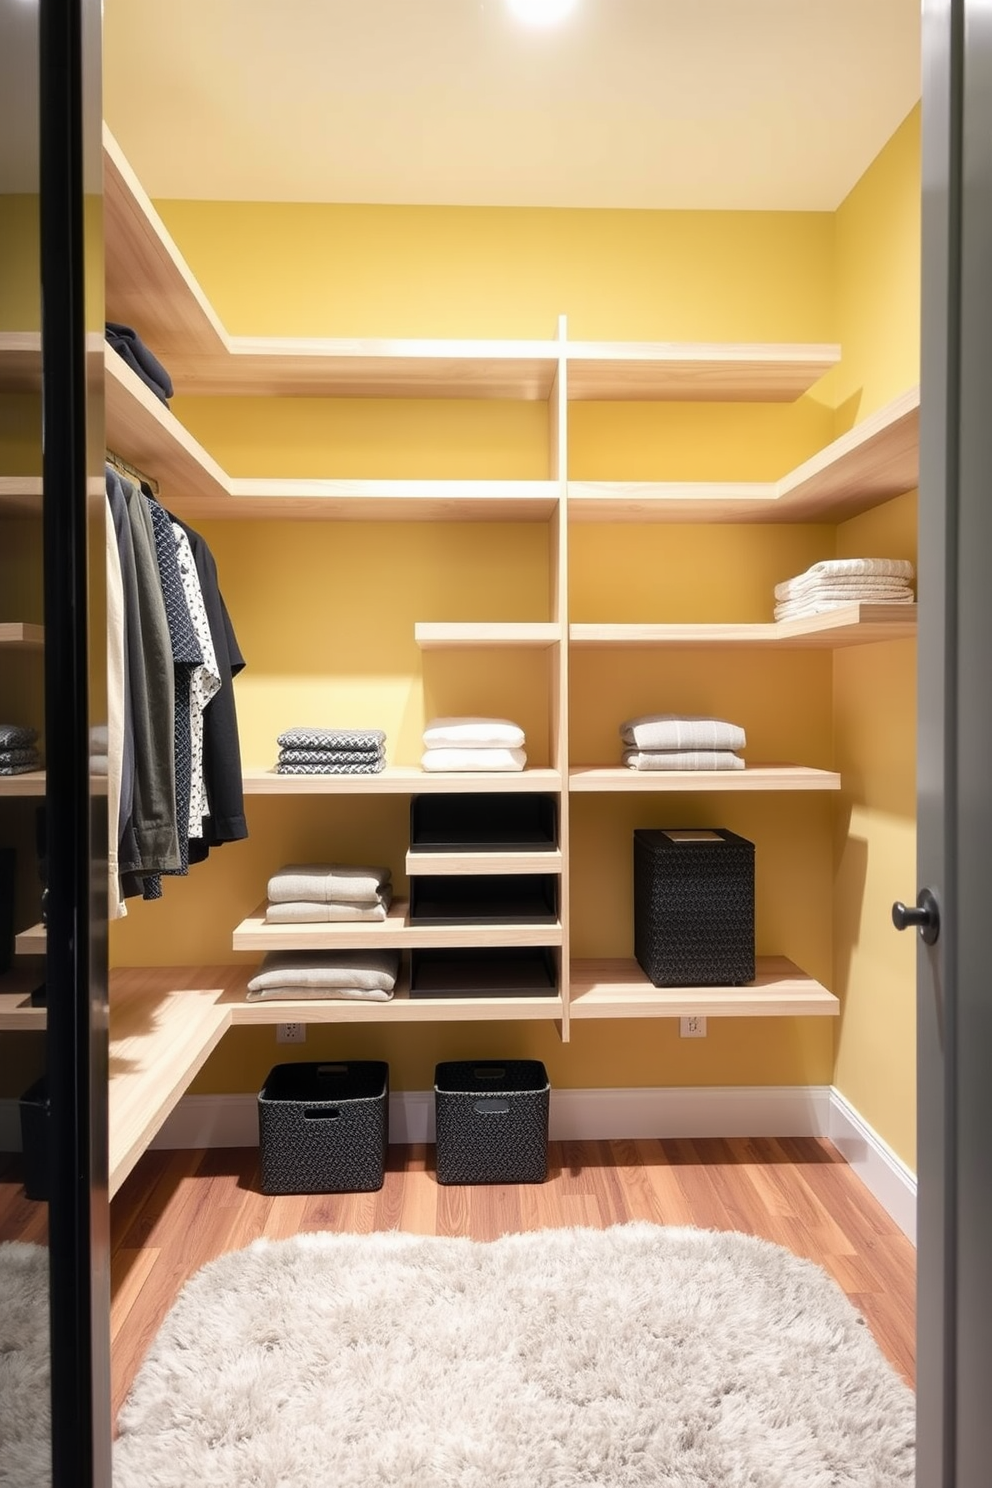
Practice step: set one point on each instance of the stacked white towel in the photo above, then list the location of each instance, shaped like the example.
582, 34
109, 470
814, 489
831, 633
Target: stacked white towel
328, 893
473, 744
843, 581
672, 741
365, 976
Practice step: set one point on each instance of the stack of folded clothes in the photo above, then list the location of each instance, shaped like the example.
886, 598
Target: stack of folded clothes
473, 744
131, 349
317, 751
667, 741
363, 976
843, 581
322, 893
18, 754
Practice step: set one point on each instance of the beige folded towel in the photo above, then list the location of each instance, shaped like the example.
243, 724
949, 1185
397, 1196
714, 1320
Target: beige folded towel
477, 733
671, 759
300, 912
368, 975
831, 569
656, 731
327, 883
473, 759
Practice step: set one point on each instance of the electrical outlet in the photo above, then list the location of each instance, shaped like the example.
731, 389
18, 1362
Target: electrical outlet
291, 1033
692, 1027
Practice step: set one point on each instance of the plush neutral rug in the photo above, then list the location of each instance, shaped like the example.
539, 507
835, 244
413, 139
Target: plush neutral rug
25, 1413
637, 1355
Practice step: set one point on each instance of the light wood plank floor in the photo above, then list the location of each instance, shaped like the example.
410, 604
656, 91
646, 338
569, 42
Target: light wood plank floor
179, 1210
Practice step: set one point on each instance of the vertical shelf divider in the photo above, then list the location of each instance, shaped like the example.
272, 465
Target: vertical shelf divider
558, 452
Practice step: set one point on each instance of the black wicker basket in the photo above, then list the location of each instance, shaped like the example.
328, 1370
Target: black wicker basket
694, 907
324, 1128
492, 1121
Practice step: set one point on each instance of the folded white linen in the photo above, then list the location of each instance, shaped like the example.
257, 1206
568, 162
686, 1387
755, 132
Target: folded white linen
315, 994
672, 759
473, 759
847, 568
485, 733
99, 764
799, 609
98, 738
365, 974
327, 883
672, 731
303, 912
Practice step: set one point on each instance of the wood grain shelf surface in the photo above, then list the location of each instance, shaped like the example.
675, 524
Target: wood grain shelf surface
619, 989
447, 634
400, 780
21, 636
396, 931
387, 500
20, 361
30, 784
483, 862
16, 1011
849, 625
20, 495
721, 372
31, 942
603, 778
402, 1008
144, 431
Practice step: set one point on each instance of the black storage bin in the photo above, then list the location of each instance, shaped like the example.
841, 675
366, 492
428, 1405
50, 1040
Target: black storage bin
504, 971
324, 1128
484, 899
694, 906
35, 1108
492, 1121
498, 822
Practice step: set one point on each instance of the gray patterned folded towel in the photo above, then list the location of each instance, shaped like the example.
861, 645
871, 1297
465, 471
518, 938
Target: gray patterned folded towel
654, 731
18, 769
305, 912
317, 738
374, 767
27, 757
328, 883
672, 759
370, 975
16, 736
330, 756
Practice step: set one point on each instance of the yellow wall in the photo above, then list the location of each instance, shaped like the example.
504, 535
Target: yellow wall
641, 275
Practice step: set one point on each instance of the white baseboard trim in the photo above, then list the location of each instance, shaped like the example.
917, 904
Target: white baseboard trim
880, 1169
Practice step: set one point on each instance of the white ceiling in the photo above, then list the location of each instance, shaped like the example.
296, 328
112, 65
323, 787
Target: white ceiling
761, 104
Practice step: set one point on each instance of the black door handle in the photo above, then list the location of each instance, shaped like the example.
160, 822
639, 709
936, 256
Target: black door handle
925, 916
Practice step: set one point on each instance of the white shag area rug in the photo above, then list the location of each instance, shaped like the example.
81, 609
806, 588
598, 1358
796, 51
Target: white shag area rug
25, 1379
637, 1355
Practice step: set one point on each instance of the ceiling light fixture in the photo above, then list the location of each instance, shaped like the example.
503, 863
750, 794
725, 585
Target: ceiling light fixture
541, 12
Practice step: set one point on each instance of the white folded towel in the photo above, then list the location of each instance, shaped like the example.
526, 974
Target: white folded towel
473, 759
369, 975
671, 759
831, 569
486, 733
800, 609
327, 883
303, 912
672, 731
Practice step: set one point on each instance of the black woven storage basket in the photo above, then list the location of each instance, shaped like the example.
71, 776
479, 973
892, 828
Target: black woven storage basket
492, 1121
694, 907
324, 1128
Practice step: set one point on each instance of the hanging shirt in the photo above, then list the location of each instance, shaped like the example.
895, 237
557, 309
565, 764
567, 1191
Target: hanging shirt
205, 680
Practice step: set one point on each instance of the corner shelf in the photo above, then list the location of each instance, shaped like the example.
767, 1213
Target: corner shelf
21, 637
400, 780
16, 1011
446, 635
31, 942
848, 625
395, 932
20, 495
609, 778
619, 989
701, 372
402, 1008
32, 783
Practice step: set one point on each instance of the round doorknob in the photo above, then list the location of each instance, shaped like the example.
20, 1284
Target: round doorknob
925, 915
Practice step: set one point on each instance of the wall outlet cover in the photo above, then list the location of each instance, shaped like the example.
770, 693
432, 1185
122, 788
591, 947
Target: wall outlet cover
291, 1033
693, 1027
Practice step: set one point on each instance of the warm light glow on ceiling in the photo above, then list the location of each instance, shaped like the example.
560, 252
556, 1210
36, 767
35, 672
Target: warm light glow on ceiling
541, 12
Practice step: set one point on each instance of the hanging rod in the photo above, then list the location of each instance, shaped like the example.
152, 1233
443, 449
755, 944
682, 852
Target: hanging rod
124, 467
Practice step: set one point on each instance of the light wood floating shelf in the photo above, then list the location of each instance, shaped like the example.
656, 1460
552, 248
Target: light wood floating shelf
16, 1011
253, 934
402, 1008
389, 500
619, 989
850, 625
22, 637
753, 778
144, 431
20, 361
726, 373
30, 784
400, 780
418, 863
20, 495
445, 634
31, 942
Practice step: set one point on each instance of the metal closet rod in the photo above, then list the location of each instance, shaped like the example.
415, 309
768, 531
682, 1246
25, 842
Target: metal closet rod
124, 467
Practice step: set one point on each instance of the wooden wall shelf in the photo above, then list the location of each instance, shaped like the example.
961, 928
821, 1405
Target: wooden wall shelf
446, 635
20, 495
16, 1012
602, 778
396, 932
30, 784
619, 989
850, 625
549, 861
18, 636
400, 780
725, 372
31, 942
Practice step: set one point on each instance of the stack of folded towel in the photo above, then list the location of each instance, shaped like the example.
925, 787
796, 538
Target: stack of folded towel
843, 581
316, 751
473, 744
18, 754
324, 893
667, 741
364, 976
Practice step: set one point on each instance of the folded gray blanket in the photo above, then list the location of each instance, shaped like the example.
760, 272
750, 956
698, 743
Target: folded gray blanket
330, 756
673, 759
317, 738
671, 731
305, 912
375, 767
15, 736
19, 769
27, 757
328, 883
369, 975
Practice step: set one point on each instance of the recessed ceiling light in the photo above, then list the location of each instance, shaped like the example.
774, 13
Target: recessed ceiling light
541, 12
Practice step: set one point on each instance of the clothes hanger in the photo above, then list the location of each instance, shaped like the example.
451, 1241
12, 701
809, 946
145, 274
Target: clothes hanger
125, 468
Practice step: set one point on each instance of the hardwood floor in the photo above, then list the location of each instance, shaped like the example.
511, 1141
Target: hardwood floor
179, 1210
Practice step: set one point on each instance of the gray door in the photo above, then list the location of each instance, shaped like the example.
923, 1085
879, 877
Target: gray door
955, 734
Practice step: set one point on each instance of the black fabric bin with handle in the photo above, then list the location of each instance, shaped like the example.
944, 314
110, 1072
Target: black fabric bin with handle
694, 906
491, 1117
324, 1128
